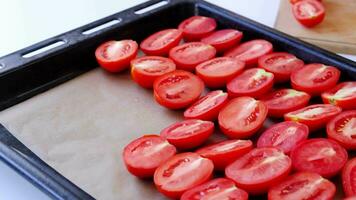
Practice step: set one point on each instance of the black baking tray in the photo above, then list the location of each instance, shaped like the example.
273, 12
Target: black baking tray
22, 78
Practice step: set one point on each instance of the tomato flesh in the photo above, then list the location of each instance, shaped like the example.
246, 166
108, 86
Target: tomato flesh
223, 39
197, 27
342, 129
309, 12
349, 177
159, 44
342, 95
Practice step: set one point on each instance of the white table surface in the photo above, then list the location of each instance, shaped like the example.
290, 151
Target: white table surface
28, 22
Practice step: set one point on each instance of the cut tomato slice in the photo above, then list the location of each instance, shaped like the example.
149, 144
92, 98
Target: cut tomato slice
349, 177
223, 39
343, 95
259, 169
143, 155
159, 44
342, 129
309, 12
182, 172
223, 153
197, 27
319, 155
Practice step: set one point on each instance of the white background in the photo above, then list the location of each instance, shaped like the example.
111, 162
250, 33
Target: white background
26, 22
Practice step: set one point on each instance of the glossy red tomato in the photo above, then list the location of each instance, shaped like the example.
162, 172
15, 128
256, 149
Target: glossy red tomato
224, 153
146, 69
223, 39
343, 95
254, 82
217, 72
177, 89
319, 155
342, 129
315, 78
349, 177
314, 116
115, 56
159, 44
284, 136
283, 101
309, 12
249, 52
281, 64
242, 117
207, 107
197, 27
218, 189
143, 155
182, 172
259, 169
188, 134
303, 185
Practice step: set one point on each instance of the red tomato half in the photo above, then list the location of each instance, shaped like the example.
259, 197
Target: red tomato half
314, 116
349, 177
177, 89
146, 69
249, 52
280, 64
182, 172
115, 56
197, 27
309, 12
187, 56
218, 189
283, 101
188, 134
159, 44
284, 136
319, 155
303, 185
223, 153
143, 155
242, 117
342, 129
253, 82
207, 107
217, 72
259, 169
223, 39
343, 95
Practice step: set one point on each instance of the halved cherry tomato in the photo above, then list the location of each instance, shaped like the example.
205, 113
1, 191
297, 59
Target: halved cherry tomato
242, 117
115, 56
343, 95
188, 134
254, 82
314, 116
146, 69
284, 136
217, 72
223, 39
224, 153
283, 101
319, 155
303, 185
342, 129
143, 155
182, 172
249, 52
309, 12
197, 27
218, 189
159, 43
349, 177
177, 89
315, 78
259, 169
187, 56
207, 107
281, 64
295, 1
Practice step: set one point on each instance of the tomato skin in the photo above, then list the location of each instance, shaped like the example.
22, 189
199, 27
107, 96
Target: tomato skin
205, 26
222, 158
309, 21
214, 189
146, 44
116, 64
345, 102
220, 41
283, 101
138, 168
348, 178
336, 129
303, 185
295, 1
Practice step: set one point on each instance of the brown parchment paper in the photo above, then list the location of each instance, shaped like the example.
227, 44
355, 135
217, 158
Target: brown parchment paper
80, 128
